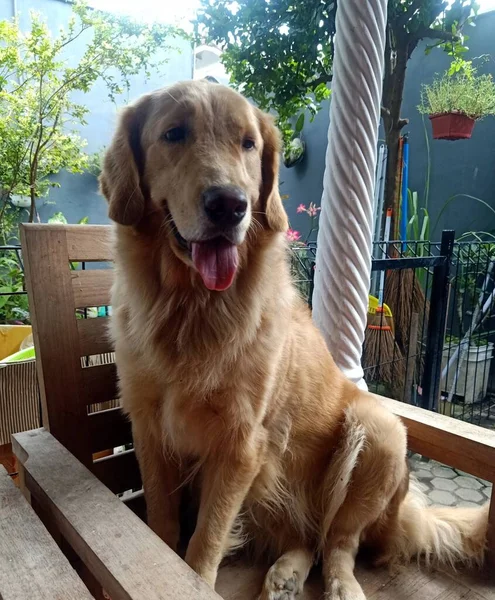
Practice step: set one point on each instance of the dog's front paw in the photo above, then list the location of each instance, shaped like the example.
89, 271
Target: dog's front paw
281, 583
337, 589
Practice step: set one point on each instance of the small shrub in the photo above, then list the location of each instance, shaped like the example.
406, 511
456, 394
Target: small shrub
462, 92
14, 307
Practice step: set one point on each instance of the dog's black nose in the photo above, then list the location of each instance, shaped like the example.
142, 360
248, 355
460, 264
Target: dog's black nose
225, 206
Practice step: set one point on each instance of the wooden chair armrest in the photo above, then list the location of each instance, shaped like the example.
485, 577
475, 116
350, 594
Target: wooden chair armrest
123, 554
447, 440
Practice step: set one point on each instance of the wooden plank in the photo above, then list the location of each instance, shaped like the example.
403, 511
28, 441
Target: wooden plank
239, 580
480, 582
119, 472
109, 429
56, 338
100, 383
89, 243
125, 556
93, 336
450, 441
91, 287
31, 564
414, 583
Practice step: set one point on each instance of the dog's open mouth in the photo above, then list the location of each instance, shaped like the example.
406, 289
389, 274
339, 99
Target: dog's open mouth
216, 260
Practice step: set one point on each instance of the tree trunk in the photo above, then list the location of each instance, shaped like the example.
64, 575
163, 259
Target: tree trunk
397, 53
32, 208
32, 184
393, 124
392, 138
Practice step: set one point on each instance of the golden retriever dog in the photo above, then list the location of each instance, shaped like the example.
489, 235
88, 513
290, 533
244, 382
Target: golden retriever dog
225, 377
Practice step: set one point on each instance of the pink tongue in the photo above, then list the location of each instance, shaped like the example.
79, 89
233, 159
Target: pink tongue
216, 262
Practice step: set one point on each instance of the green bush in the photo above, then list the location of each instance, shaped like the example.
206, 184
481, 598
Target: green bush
14, 307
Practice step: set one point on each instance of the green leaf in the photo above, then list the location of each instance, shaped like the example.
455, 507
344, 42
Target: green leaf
58, 217
425, 229
299, 124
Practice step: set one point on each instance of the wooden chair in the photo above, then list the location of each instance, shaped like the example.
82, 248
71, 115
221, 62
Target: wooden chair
71, 384
74, 488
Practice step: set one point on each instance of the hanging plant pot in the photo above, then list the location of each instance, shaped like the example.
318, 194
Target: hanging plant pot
21, 201
452, 126
294, 153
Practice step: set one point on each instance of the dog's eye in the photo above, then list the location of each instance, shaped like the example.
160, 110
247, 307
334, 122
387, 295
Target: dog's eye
176, 134
247, 143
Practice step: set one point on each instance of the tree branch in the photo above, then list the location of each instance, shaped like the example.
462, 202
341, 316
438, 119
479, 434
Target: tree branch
435, 34
71, 39
52, 132
79, 74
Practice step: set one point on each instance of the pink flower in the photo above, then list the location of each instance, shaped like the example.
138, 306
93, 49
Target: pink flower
293, 236
301, 208
313, 209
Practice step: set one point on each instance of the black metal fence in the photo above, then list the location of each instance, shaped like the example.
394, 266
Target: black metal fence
431, 330
302, 266
467, 389
404, 337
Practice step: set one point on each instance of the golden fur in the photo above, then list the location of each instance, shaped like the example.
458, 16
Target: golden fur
238, 386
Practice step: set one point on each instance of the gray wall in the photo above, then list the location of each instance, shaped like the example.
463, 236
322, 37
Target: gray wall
77, 197
466, 166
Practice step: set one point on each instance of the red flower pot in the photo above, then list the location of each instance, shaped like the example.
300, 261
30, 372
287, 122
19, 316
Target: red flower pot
451, 126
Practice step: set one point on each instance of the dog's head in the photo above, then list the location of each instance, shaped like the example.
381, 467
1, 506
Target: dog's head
208, 161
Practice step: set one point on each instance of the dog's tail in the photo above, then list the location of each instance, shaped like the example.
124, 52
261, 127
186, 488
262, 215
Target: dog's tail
445, 535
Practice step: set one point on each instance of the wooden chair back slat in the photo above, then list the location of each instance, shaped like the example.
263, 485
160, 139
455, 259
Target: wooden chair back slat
119, 472
75, 364
92, 287
137, 504
100, 384
93, 336
109, 429
91, 243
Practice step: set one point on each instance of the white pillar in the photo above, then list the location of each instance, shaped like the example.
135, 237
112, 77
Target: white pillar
343, 259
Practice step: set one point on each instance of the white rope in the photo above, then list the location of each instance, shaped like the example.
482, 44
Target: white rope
343, 260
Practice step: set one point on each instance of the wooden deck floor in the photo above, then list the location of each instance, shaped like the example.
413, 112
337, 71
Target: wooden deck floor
240, 582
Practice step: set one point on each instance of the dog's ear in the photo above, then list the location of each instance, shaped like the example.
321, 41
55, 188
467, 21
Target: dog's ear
123, 166
276, 217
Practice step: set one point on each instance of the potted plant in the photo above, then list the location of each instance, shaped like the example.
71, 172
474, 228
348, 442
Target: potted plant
294, 149
456, 100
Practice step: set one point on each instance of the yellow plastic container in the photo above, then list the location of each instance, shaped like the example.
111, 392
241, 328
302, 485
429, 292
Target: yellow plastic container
11, 338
